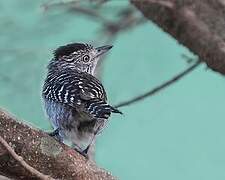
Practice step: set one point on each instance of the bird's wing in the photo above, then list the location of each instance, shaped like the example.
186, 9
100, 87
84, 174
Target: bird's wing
79, 90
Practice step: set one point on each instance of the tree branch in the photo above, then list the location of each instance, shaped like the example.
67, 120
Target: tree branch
159, 88
199, 25
43, 153
4, 178
23, 163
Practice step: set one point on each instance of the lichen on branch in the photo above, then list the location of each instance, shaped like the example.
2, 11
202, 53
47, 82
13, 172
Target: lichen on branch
43, 153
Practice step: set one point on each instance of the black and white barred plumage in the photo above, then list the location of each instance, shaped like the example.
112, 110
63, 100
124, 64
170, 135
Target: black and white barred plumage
79, 90
75, 100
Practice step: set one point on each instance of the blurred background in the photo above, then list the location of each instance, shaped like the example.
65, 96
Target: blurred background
176, 134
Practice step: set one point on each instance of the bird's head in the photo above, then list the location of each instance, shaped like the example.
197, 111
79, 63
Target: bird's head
83, 57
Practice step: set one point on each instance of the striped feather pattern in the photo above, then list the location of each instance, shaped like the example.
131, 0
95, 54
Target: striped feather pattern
100, 109
71, 87
79, 90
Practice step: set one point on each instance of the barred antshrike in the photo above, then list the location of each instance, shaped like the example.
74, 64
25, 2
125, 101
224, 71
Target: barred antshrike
74, 99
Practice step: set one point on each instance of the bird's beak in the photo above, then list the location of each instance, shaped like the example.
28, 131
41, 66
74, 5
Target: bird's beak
103, 49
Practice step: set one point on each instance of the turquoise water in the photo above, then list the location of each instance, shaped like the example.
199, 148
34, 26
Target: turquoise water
176, 134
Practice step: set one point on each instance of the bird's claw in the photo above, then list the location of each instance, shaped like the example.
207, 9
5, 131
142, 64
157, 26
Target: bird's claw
82, 152
56, 135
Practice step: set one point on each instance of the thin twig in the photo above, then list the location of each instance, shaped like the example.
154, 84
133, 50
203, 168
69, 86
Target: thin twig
23, 163
160, 87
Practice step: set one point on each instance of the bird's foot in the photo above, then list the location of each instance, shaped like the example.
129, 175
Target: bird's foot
56, 135
86, 150
82, 152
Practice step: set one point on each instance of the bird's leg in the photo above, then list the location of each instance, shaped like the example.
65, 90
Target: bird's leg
92, 140
80, 151
85, 151
89, 145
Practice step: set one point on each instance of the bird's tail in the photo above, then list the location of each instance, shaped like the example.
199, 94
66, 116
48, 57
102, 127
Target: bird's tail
114, 110
100, 109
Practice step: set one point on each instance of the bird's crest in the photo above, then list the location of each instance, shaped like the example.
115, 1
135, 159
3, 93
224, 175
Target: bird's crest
70, 48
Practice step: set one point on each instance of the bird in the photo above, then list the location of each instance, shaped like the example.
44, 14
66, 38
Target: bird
74, 99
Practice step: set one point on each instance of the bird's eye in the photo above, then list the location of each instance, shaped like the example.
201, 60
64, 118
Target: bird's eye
86, 58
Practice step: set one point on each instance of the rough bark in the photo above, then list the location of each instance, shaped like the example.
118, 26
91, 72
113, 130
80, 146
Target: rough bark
197, 24
43, 153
